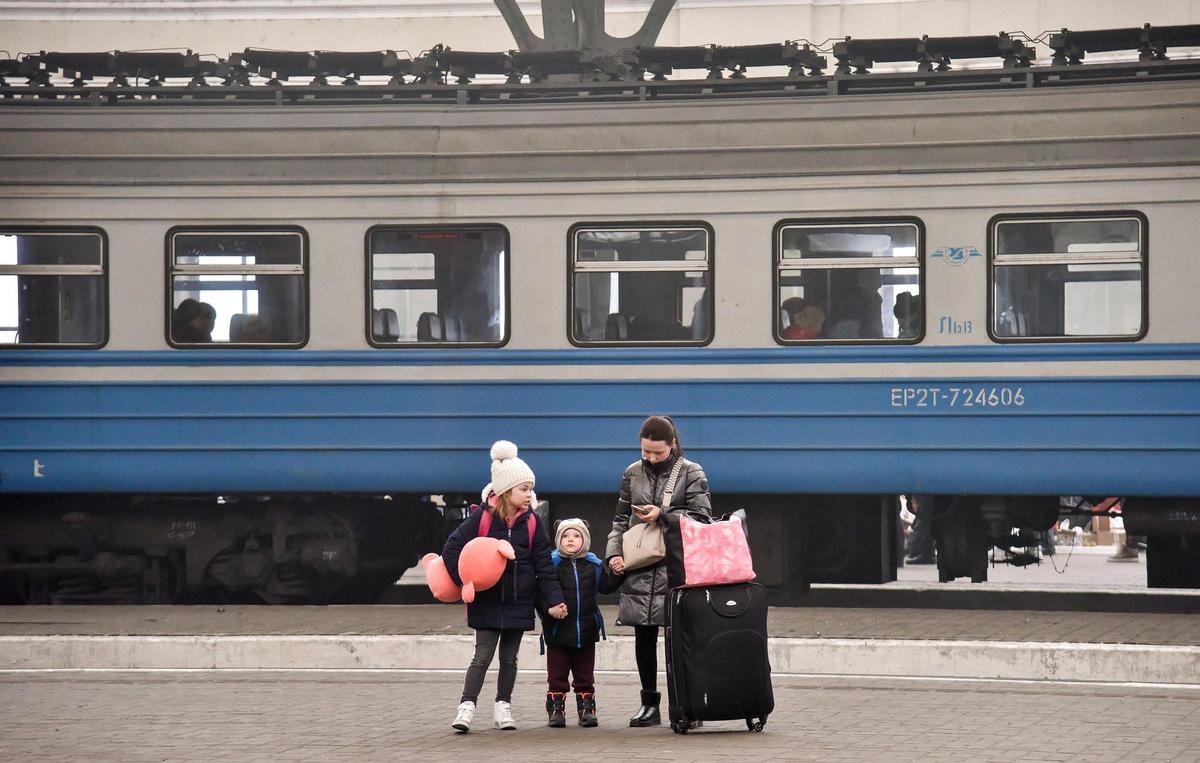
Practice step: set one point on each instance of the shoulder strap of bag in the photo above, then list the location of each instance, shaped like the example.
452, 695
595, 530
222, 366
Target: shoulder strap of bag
669, 493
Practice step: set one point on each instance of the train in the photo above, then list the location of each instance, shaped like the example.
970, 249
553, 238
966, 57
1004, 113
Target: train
257, 335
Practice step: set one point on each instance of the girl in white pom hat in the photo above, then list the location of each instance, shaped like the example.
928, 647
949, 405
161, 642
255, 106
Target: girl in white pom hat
501, 614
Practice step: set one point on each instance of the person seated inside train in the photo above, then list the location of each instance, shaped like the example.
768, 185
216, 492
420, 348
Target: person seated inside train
805, 321
855, 307
908, 314
193, 321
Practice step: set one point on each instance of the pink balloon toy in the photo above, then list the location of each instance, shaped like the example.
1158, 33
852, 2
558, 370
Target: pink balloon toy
481, 564
440, 584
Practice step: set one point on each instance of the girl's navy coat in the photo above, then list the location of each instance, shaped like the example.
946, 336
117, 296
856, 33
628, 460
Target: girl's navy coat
509, 603
580, 579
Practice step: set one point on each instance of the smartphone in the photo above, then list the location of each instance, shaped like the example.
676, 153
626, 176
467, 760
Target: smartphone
644, 509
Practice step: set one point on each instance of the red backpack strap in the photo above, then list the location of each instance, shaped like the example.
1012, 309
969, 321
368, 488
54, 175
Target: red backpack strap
485, 523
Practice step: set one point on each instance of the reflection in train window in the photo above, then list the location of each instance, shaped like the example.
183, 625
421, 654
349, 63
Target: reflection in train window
850, 282
641, 284
52, 289
244, 287
438, 286
1062, 278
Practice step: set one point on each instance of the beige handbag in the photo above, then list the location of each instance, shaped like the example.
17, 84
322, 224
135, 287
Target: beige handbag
644, 545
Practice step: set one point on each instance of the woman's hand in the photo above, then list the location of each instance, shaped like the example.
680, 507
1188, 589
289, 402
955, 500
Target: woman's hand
617, 565
653, 513
558, 612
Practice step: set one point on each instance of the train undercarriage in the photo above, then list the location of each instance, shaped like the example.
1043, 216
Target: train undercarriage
351, 548
167, 549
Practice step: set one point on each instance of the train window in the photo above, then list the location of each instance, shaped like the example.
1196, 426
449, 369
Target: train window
52, 288
1068, 278
438, 286
238, 287
641, 285
849, 282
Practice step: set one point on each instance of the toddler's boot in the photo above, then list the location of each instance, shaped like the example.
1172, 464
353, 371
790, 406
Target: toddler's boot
586, 703
556, 708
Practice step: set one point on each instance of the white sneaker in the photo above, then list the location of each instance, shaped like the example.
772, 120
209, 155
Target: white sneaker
503, 717
462, 721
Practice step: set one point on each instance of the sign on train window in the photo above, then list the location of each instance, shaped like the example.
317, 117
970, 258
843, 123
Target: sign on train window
1059, 277
438, 286
849, 282
52, 288
641, 284
244, 288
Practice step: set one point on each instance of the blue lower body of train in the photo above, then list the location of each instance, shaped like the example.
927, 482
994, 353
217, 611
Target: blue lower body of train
1112, 436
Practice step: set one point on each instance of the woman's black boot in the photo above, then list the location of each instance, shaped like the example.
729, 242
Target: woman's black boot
647, 714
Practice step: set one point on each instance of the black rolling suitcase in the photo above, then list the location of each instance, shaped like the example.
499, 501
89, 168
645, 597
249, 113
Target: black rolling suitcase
717, 664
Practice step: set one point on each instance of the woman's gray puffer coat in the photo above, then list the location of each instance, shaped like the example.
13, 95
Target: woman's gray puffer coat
644, 592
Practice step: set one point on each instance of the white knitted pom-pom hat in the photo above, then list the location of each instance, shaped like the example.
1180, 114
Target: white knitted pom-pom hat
508, 471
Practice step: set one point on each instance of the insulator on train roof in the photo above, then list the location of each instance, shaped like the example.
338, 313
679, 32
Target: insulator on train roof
661, 61
232, 72
929, 53
374, 63
13, 67
465, 65
800, 57
540, 64
1016, 54
858, 56
738, 58
1151, 42
1156, 40
277, 64
157, 66
397, 67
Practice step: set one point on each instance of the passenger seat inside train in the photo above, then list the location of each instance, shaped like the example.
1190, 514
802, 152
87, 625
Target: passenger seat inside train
1012, 323
385, 325
433, 327
616, 326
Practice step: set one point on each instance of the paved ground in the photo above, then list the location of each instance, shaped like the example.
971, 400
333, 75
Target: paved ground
1071, 567
437, 619
405, 716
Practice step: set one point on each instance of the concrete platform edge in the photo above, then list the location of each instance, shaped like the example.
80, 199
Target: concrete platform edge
1121, 663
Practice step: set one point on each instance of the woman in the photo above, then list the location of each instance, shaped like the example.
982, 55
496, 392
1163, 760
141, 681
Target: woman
644, 593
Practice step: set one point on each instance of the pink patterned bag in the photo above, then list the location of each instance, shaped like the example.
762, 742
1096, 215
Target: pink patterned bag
714, 553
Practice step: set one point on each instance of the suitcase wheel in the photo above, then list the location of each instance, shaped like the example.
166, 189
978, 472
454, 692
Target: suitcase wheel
680, 727
754, 725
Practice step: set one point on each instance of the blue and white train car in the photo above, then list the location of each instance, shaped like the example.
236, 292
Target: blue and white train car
244, 339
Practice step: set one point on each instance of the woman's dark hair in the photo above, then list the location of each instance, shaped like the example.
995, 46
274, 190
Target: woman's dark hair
662, 429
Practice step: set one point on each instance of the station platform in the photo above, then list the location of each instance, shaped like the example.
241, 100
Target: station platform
964, 643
